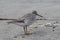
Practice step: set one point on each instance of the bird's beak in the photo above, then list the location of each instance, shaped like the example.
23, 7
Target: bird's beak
39, 15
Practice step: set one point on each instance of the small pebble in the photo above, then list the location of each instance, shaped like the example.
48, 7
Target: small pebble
53, 27
23, 36
35, 27
15, 36
53, 30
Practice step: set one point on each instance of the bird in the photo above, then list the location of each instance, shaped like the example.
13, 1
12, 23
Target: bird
26, 20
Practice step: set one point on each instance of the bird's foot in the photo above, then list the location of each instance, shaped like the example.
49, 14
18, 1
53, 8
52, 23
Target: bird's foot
28, 33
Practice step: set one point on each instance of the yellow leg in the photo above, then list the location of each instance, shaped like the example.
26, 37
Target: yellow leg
25, 31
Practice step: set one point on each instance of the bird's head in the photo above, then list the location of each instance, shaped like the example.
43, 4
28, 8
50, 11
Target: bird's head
35, 12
